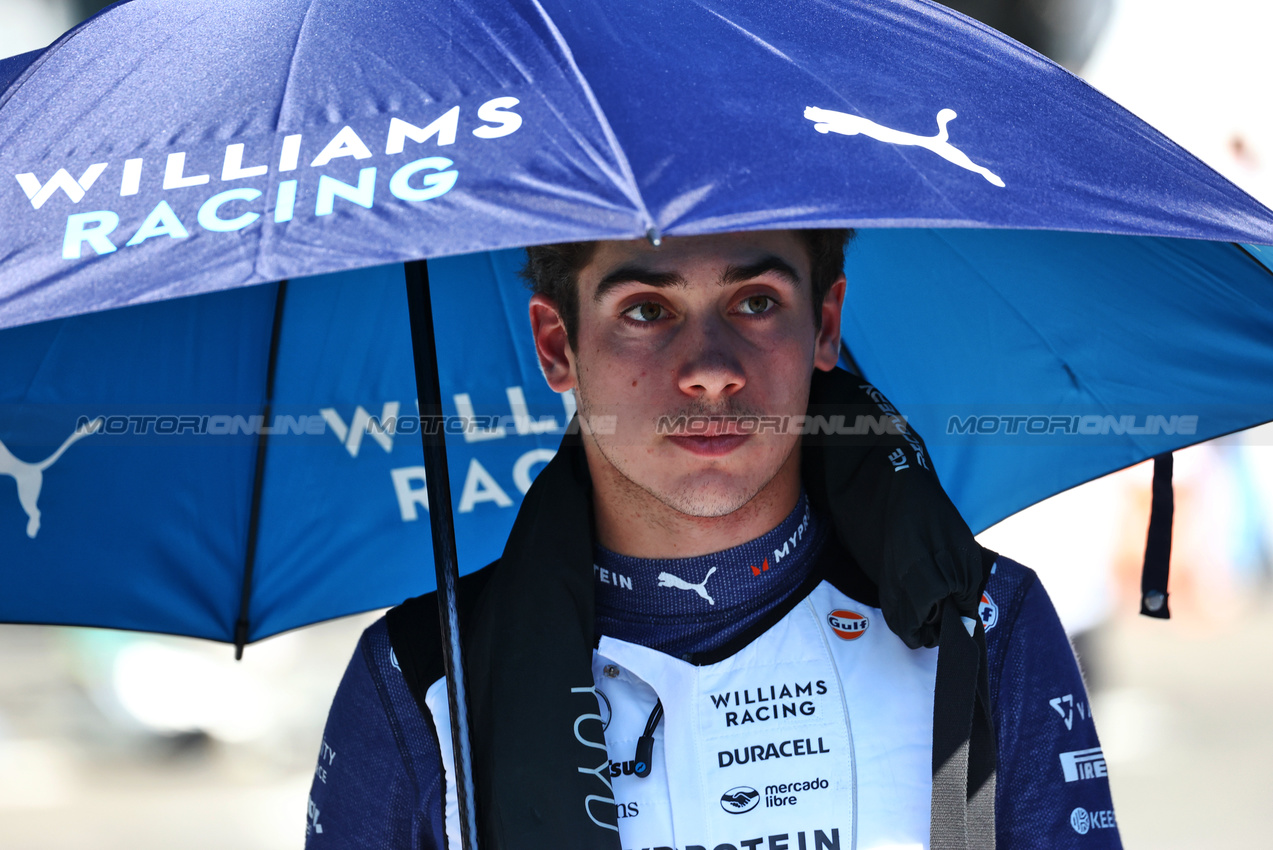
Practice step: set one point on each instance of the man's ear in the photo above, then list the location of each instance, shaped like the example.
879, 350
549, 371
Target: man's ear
828, 347
552, 344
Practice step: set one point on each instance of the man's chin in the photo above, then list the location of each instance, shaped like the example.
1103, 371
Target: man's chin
717, 487
706, 501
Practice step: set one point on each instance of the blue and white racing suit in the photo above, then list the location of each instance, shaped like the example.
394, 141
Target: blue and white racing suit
379, 781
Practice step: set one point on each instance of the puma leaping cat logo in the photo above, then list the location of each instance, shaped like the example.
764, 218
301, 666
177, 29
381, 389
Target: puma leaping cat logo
830, 121
30, 476
669, 580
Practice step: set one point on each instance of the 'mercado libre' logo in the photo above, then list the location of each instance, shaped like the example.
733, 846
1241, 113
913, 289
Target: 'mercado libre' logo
739, 800
830, 121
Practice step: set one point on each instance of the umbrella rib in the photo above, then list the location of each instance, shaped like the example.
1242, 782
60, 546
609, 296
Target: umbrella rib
45, 55
1245, 250
985, 281
241, 625
621, 159
1069, 370
291, 67
265, 235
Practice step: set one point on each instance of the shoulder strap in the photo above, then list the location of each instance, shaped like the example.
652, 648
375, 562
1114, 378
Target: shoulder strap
964, 751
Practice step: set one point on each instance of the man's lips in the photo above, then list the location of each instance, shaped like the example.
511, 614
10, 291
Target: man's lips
713, 445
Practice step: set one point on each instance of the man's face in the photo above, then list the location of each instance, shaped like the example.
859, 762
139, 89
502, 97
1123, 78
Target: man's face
704, 326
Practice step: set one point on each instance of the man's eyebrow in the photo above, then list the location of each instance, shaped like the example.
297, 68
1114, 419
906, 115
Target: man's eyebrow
636, 274
770, 263
660, 280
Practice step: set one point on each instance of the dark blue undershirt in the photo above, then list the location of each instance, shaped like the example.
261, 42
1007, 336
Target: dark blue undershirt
691, 605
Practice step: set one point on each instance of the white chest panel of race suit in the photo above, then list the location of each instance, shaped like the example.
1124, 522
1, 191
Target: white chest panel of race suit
816, 736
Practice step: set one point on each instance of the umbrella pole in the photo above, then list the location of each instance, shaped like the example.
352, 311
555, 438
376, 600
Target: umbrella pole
442, 526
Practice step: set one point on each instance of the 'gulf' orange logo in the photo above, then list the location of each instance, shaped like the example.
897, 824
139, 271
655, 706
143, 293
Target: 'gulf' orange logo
849, 625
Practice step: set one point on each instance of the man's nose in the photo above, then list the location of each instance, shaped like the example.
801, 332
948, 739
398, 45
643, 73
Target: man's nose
711, 369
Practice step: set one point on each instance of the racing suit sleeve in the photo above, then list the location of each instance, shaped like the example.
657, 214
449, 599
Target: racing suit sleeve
1052, 789
378, 783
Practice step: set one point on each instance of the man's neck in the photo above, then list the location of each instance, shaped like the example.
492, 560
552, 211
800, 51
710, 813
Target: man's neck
632, 522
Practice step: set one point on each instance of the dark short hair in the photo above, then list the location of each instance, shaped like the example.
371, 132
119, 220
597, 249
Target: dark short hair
553, 270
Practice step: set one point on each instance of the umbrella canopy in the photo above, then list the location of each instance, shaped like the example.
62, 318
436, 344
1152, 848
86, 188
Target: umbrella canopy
172, 148
1047, 238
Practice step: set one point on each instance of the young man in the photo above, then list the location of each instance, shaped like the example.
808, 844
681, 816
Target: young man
710, 599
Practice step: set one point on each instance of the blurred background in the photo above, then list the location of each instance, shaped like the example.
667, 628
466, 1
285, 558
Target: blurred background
120, 740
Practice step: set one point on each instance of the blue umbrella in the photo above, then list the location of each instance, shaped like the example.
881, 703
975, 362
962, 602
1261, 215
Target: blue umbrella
169, 149
1040, 239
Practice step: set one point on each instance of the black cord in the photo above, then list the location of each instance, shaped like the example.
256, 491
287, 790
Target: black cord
645, 744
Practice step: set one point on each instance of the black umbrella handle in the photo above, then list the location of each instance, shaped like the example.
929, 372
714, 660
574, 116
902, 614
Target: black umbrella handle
442, 525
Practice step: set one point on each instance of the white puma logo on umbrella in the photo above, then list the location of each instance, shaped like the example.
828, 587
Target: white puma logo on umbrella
830, 121
669, 580
30, 476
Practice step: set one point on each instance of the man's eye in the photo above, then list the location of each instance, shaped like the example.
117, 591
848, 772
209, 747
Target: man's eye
648, 311
756, 304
